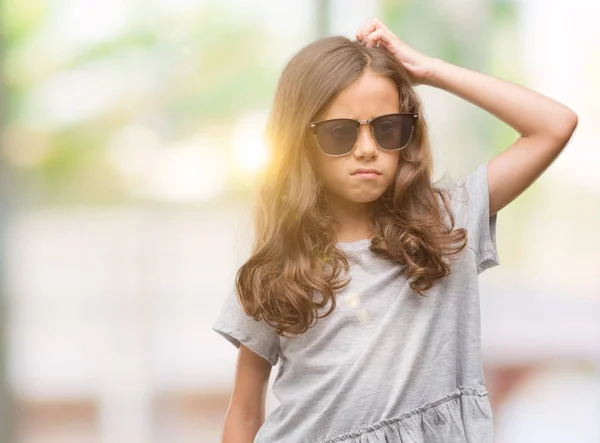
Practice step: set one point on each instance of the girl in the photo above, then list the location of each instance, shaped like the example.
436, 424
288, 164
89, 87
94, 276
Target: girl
362, 283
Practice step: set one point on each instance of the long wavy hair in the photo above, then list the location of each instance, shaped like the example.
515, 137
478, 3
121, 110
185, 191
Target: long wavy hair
294, 255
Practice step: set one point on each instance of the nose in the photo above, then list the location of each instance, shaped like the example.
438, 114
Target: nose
366, 147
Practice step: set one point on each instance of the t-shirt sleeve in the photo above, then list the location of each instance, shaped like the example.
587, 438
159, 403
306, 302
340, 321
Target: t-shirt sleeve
238, 327
470, 202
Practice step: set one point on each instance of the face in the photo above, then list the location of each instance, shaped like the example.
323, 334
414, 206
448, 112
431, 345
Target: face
371, 95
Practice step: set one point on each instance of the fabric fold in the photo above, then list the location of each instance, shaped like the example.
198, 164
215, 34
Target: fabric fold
451, 419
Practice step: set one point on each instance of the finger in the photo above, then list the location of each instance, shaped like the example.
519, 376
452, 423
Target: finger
365, 29
380, 24
359, 35
390, 36
378, 36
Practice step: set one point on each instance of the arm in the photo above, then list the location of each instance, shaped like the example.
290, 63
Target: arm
545, 126
246, 411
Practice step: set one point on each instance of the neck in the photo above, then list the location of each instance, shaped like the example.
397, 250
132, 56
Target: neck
352, 219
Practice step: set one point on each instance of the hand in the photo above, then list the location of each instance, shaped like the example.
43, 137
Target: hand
373, 33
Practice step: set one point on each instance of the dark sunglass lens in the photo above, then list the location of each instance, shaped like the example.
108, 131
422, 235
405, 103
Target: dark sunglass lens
393, 131
336, 137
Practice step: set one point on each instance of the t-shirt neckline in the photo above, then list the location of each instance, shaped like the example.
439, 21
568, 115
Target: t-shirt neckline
357, 244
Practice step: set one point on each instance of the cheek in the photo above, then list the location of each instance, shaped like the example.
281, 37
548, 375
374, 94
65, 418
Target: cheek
326, 167
331, 172
392, 164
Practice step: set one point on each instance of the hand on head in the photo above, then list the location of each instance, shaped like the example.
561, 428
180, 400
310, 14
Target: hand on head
373, 33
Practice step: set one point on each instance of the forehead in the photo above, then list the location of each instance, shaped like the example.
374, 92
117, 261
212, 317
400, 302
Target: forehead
368, 96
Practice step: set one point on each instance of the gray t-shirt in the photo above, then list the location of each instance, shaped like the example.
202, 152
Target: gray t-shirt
388, 365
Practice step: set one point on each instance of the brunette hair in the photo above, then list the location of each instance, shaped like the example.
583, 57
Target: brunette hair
294, 255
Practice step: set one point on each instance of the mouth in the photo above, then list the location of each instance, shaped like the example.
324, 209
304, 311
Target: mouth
366, 172
366, 175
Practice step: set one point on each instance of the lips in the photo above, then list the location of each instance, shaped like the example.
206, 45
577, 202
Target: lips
366, 171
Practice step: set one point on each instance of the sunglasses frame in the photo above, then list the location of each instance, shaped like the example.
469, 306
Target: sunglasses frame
313, 128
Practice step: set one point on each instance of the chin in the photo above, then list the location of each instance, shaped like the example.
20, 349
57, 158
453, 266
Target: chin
363, 199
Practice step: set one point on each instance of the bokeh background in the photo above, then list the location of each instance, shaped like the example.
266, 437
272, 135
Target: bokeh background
130, 135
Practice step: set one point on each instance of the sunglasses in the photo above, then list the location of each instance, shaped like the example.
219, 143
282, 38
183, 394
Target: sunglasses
338, 136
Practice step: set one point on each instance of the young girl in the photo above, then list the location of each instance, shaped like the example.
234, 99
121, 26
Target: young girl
362, 283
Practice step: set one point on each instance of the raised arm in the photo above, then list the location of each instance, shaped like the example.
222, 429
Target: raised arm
545, 126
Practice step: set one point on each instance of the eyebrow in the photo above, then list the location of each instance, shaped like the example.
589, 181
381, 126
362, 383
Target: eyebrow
356, 119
